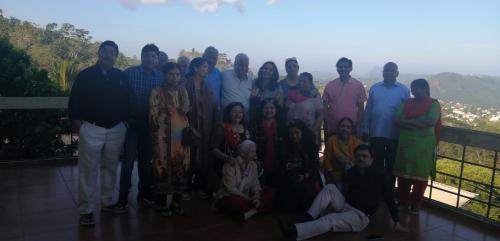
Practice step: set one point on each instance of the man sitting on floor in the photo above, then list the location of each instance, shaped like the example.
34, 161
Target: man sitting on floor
365, 187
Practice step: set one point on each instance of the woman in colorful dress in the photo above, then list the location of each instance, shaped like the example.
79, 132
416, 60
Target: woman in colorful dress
419, 119
339, 151
306, 104
202, 117
266, 86
168, 105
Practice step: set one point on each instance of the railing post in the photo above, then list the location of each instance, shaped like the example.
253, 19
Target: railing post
492, 184
461, 175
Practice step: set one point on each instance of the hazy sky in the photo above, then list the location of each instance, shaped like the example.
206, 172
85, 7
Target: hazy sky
425, 36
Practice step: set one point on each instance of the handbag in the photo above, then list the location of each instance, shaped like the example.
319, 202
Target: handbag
190, 138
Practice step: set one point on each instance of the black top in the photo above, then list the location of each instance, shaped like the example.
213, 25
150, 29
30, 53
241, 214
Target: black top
366, 187
99, 98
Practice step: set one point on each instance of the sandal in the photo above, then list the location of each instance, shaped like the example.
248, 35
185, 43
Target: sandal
165, 212
177, 209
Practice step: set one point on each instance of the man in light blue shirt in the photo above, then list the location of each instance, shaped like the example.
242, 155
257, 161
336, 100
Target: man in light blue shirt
237, 84
211, 55
378, 121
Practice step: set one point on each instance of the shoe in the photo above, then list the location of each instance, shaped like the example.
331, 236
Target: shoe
186, 196
403, 207
165, 212
143, 199
414, 209
289, 231
116, 208
177, 209
87, 219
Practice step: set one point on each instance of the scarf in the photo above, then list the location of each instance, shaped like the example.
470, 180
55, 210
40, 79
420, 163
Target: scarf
232, 138
295, 97
413, 109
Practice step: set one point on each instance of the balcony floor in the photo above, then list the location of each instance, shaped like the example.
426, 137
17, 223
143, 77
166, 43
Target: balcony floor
39, 203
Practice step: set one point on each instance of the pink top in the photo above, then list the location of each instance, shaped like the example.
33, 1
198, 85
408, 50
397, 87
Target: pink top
342, 100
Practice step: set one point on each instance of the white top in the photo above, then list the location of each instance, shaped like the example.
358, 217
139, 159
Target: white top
236, 90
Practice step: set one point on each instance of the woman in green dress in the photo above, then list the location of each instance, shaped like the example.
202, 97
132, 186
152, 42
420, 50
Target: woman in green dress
419, 120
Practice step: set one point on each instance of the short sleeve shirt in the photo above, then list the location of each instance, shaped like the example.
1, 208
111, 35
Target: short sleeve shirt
342, 99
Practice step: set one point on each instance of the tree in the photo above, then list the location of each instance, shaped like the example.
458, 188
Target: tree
27, 133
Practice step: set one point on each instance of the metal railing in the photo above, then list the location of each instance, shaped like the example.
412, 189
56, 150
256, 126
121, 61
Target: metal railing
464, 139
486, 204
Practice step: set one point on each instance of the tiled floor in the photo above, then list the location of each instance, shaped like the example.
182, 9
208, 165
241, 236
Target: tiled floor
39, 203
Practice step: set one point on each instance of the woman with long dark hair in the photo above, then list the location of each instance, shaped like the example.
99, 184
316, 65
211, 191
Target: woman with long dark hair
266, 86
201, 116
300, 159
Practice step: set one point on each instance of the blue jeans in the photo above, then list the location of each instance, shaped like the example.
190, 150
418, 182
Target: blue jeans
137, 147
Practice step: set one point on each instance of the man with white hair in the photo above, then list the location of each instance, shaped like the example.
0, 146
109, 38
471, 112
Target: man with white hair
237, 83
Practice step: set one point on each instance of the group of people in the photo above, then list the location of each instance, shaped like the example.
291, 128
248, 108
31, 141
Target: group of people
251, 144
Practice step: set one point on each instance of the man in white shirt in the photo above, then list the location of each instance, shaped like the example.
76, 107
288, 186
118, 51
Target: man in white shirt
237, 83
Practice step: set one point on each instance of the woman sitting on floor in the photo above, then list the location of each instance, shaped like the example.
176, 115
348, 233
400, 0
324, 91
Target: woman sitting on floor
339, 151
300, 159
240, 193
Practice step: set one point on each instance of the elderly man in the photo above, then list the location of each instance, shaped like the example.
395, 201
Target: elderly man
142, 79
237, 83
365, 187
211, 55
378, 121
183, 63
99, 106
344, 97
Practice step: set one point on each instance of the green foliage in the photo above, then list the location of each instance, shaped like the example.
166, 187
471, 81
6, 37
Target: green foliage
478, 174
62, 51
27, 133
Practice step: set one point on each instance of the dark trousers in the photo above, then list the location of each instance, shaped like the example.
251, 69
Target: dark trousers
137, 147
384, 154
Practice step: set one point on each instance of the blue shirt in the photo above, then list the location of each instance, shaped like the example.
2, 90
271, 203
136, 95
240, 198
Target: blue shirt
383, 101
215, 80
141, 85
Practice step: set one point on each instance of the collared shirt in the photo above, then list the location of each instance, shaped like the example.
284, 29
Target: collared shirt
383, 101
215, 80
141, 84
100, 98
236, 90
342, 100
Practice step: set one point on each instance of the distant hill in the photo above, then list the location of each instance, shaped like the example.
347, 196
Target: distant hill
468, 89
474, 90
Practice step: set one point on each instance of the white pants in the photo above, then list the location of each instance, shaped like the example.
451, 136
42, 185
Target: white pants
331, 212
98, 149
